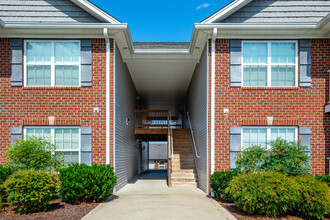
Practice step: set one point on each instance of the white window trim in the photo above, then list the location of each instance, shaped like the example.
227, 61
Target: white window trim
269, 64
52, 131
52, 63
268, 133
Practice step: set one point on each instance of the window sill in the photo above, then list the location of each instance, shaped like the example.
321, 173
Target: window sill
51, 88
270, 88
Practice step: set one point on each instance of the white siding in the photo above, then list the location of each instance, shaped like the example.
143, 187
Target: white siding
126, 151
37, 11
196, 99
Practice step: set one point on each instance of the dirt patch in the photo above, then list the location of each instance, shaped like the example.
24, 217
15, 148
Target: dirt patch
57, 210
240, 215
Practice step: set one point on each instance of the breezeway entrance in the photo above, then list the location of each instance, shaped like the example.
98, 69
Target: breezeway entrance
147, 196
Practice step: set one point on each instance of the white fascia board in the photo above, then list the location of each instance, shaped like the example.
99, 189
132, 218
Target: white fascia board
226, 11
95, 11
255, 26
66, 26
161, 51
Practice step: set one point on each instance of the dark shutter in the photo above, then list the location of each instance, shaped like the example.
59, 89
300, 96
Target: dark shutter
86, 62
86, 145
305, 63
235, 63
15, 133
235, 145
16, 71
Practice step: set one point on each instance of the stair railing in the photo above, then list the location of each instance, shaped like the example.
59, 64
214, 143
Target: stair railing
192, 136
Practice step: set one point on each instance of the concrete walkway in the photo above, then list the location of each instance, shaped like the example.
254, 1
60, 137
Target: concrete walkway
148, 197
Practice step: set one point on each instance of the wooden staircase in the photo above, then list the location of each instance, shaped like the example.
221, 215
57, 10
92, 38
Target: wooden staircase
183, 165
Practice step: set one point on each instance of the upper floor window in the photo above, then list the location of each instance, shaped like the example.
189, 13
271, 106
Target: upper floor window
66, 140
270, 64
52, 63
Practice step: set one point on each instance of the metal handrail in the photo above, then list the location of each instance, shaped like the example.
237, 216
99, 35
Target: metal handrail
171, 136
192, 136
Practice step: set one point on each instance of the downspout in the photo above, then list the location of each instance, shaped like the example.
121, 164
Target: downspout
214, 37
107, 72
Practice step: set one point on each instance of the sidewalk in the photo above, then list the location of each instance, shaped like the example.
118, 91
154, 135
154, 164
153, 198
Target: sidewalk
148, 197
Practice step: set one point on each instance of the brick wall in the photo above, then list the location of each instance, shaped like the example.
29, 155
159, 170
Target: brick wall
71, 106
289, 106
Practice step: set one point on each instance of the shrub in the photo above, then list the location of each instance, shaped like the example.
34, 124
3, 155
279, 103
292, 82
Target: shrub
34, 153
323, 178
31, 190
288, 157
315, 198
220, 181
271, 194
5, 172
80, 182
284, 157
251, 159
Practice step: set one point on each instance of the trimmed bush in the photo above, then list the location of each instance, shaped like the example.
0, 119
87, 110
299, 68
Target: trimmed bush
323, 178
270, 194
284, 157
34, 153
220, 181
5, 172
31, 190
83, 183
314, 198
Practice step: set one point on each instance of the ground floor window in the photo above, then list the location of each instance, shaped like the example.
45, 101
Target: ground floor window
263, 135
66, 140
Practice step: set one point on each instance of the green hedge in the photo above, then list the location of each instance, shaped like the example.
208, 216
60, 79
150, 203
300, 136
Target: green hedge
5, 172
323, 178
270, 194
34, 153
220, 181
314, 198
31, 190
83, 183
283, 157
275, 194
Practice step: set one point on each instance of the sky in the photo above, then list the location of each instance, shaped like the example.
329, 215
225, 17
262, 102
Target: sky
170, 20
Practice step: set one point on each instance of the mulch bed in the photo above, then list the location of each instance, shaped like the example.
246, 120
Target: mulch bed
240, 215
57, 210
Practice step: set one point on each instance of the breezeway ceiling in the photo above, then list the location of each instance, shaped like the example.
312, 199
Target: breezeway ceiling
162, 84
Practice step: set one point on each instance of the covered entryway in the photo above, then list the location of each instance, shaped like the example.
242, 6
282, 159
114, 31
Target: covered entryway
161, 95
147, 196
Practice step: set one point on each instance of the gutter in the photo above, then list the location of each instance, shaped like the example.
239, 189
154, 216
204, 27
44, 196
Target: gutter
214, 37
107, 40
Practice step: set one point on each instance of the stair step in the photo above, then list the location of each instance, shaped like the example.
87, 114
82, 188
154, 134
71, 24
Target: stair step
183, 175
185, 184
183, 171
183, 180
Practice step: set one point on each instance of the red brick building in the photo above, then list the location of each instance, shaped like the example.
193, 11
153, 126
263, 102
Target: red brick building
253, 71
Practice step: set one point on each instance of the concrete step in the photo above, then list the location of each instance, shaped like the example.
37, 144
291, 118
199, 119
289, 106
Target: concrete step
183, 180
183, 156
183, 159
183, 166
184, 175
183, 171
185, 185
181, 162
